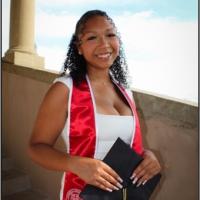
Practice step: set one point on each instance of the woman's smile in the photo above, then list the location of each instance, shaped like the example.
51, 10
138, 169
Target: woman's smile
104, 56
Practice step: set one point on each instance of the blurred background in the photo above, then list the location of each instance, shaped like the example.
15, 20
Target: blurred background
159, 38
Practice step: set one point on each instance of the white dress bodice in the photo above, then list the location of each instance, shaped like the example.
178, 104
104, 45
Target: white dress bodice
108, 127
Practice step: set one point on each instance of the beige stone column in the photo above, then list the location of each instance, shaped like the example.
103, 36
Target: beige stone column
22, 35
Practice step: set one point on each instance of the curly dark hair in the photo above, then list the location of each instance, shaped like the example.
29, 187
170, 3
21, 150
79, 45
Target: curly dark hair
76, 63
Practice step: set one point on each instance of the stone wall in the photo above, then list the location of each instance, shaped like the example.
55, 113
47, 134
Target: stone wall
169, 129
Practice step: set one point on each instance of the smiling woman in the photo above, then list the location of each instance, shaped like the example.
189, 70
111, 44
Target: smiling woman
162, 56
79, 104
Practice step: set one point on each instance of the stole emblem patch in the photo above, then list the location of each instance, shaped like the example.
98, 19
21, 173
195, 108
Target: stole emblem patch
73, 194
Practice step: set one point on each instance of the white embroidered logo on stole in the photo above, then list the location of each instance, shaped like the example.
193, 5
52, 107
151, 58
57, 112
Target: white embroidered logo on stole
73, 194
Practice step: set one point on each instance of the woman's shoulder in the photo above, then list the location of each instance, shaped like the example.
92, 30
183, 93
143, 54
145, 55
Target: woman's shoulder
58, 93
60, 88
65, 79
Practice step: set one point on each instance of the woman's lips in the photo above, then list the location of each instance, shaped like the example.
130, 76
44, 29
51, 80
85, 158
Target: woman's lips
104, 55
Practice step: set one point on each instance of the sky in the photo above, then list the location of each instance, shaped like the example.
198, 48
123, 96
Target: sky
159, 38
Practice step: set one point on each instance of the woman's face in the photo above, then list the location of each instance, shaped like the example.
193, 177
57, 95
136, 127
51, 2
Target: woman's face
99, 43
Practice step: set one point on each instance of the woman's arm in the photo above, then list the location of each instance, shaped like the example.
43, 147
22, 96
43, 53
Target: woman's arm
49, 123
149, 167
48, 126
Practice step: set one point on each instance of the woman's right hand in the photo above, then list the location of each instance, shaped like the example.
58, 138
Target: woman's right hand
96, 172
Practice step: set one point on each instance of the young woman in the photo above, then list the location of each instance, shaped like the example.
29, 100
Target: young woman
91, 108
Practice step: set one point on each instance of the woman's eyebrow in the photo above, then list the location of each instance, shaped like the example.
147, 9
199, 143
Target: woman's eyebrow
93, 31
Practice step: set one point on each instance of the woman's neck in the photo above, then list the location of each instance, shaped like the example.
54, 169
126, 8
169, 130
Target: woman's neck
99, 77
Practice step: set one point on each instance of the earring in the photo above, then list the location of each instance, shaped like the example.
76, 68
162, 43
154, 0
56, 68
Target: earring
80, 53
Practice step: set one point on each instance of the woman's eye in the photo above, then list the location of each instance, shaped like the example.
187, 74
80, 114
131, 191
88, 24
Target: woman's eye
111, 35
91, 38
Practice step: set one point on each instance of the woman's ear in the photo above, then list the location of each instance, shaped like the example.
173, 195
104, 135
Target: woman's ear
79, 48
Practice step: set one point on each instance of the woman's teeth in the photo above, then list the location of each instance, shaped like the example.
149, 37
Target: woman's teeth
105, 55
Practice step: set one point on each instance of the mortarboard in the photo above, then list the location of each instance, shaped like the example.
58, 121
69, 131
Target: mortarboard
123, 159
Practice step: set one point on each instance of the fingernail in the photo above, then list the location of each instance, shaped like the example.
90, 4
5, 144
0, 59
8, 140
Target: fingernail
133, 176
116, 188
108, 189
138, 184
135, 180
119, 185
120, 179
144, 182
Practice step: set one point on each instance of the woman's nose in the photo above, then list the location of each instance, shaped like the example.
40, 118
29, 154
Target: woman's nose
103, 40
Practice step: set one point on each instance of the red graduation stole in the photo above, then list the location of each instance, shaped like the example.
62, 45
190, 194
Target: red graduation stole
82, 133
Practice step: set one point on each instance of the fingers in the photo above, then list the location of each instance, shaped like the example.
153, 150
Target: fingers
112, 173
110, 179
105, 178
106, 185
146, 170
101, 186
107, 182
145, 175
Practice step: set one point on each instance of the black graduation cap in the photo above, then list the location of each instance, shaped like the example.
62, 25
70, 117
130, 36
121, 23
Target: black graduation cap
123, 160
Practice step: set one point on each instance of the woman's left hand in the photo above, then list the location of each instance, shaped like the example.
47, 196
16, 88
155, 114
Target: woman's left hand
149, 167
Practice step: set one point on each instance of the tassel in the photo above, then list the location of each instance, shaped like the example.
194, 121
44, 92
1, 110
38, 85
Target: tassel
124, 193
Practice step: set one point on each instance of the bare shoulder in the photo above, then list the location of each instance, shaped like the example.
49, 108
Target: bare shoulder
52, 115
57, 93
